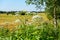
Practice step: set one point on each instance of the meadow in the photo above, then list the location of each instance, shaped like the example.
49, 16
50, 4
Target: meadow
9, 19
28, 27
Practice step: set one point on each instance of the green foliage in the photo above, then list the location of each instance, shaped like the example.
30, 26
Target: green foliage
13, 13
30, 32
22, 13
49, 16
50, 5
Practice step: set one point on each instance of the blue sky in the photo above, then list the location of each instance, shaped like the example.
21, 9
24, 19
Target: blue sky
15, 5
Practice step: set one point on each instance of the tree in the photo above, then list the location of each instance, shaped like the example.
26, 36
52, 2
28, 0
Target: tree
51, 6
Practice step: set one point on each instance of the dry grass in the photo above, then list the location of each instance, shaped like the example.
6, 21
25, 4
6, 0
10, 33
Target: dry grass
11, 18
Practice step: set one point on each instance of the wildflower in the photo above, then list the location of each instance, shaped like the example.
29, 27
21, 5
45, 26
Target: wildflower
37, 18
28, 23
17, 21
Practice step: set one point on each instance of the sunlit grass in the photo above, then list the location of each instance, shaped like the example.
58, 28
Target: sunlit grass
21, 31
23, 18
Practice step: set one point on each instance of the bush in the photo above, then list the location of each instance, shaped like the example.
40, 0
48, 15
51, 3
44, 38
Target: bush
22, 13
13, 13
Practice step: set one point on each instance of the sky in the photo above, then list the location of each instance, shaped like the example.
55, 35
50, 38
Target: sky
15, 5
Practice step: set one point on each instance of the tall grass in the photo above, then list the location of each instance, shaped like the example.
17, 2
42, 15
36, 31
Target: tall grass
30, 32
44, 31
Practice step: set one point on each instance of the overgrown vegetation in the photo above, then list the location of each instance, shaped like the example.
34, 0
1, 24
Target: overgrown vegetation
34, 31
31, 32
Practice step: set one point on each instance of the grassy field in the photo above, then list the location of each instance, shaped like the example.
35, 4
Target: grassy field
10, 29
4, 18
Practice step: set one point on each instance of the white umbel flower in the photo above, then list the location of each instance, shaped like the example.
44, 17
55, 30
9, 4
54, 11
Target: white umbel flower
17, 21
37, 18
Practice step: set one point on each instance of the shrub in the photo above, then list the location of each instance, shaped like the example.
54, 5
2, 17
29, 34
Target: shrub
22, 13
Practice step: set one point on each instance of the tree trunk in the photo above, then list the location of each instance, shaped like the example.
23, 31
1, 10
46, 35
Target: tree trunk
55, 17
55, 22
